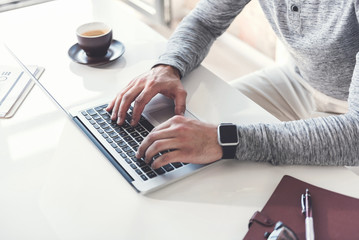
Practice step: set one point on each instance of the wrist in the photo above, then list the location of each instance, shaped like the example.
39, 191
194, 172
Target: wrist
228, 139
168, 68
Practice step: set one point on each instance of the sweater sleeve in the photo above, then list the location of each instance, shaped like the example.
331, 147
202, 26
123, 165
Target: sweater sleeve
194, 36
332, 140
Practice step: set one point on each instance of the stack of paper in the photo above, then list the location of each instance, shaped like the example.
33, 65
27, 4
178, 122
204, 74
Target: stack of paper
14, 87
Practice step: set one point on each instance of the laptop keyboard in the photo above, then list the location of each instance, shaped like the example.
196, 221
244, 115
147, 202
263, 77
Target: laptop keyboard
126, 139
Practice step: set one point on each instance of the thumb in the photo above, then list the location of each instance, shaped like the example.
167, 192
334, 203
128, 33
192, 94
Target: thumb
180, 103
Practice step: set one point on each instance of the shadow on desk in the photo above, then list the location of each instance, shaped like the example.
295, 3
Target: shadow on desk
84, 193
93, 75
227, 182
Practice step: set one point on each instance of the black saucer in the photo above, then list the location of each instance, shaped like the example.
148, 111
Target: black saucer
114, 52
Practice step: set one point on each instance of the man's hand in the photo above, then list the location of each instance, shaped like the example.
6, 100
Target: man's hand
188, 140
160, 79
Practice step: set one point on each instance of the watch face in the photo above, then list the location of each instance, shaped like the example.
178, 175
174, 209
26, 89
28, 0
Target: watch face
228, 134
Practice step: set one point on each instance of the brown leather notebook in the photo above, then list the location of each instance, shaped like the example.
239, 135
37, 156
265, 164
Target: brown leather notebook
336, 216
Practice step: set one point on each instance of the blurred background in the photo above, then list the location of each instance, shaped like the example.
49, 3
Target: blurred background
248, 45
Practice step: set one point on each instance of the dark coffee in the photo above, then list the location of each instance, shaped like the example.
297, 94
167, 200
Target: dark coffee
94, 33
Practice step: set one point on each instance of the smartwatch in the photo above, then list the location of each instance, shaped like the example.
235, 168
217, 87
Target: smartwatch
228, 139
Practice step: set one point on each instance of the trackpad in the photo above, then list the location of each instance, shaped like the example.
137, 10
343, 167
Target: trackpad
162, 115
160, 109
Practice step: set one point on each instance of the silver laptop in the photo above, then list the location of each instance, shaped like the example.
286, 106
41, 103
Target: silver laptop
119, 143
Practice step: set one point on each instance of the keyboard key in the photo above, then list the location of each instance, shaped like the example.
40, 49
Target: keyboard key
128, 160
108, 130
135, 134
91, 112
168, 167
99, 108
103, 112
144, 134
104, 125
100, 121
104, 135
177, 164
130, 129
144, 178
159, 171
113, 135
126, 149
96, 117
139, 139
146, 168
123, 134
127, 138
140, 162
146, 124
131, 154
126, 125
132, 143
106, 117
151, 174
139, 128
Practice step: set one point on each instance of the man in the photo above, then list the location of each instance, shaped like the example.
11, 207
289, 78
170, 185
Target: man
316, 93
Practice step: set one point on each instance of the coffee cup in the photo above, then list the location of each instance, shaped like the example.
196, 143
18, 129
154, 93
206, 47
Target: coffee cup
94, 38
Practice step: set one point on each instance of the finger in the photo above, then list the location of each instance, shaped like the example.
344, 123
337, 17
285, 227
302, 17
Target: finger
180, 102
160, 147
111, 105
140, 102
154, 143
166, 158
125, 104
115, 107
170, 122
115, 104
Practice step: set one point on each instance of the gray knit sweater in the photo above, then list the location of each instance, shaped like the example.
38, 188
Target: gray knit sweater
322, 36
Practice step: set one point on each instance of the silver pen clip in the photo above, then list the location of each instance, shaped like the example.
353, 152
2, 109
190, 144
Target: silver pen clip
302, 200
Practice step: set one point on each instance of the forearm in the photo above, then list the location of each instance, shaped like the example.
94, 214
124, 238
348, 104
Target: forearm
322, 141
330, 140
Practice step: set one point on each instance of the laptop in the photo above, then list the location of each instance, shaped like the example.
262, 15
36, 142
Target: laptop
119, 143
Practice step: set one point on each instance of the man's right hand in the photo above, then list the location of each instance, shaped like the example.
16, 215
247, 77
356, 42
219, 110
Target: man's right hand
160, 79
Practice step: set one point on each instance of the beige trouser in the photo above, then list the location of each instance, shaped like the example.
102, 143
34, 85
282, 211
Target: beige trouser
283, 92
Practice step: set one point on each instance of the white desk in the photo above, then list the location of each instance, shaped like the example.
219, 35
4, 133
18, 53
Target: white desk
54, 184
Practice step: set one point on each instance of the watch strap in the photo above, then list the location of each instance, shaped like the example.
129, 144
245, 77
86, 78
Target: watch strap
229, 152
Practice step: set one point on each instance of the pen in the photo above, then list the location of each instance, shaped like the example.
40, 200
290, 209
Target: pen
306, 201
